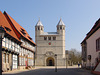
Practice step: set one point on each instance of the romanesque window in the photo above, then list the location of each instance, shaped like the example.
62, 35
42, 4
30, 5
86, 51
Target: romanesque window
49, 38
38, 28
45, 38
98, 44
41, 28
54, 38
60, 27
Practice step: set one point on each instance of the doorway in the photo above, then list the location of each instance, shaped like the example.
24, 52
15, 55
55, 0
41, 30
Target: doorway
50, 61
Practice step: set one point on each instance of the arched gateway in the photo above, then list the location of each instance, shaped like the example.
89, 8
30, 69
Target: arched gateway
50, 61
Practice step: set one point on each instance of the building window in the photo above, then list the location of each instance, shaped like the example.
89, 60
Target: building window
98, 44
41, 28
45, 38
49, 38
60, 27
99, 56
4, 58
38, 28
20, 61
54, 38
7, 58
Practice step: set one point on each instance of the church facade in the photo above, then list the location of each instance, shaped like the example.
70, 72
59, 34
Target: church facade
50, 49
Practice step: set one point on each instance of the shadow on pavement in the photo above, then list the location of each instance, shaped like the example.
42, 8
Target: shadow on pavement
51, 71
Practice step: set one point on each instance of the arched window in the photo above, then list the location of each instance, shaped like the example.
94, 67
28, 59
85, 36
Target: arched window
38, 28
60, 27
41, 28
54, 38
45, 38
49, 38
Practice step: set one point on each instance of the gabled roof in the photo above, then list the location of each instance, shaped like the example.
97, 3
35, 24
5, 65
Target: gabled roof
94, 29
5, 24
60, 22
18, 29
39, 23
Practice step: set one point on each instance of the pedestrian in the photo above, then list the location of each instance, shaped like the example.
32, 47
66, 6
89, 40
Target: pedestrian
78, 65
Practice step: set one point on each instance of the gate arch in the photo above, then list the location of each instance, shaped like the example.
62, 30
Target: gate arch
50, 61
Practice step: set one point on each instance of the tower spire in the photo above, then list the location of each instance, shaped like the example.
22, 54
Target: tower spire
39, 23
60, 22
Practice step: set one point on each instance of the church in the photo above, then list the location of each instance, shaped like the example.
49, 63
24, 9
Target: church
50, 49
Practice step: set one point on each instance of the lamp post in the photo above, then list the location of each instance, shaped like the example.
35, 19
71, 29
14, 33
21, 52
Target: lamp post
2, 33
56, 63
66, 63
66, 60
34, 59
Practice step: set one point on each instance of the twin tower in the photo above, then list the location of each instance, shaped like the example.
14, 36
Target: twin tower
50, 49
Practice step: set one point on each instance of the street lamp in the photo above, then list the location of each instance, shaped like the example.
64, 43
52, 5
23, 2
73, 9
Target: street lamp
2, 33
56, 63
34, 59
66, 60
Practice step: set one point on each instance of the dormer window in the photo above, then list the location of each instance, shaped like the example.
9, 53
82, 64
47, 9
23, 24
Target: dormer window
8, 29
29, 37
23, 31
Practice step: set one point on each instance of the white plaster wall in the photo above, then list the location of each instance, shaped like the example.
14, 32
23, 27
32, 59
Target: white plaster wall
91, 47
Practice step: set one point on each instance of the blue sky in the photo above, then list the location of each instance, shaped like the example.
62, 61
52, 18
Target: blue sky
79, 16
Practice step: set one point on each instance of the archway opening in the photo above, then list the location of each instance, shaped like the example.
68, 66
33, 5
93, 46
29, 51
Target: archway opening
50, 61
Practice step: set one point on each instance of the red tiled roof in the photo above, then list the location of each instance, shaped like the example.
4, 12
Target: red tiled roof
5, 24
19, 29
94, 29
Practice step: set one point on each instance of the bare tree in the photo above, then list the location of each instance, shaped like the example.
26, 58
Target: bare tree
75, 56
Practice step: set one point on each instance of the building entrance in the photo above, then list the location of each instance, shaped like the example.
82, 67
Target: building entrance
50, 61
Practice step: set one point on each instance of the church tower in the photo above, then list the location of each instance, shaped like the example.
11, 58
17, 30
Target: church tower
61, 32
39, 29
